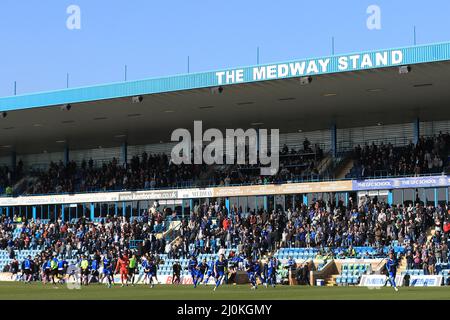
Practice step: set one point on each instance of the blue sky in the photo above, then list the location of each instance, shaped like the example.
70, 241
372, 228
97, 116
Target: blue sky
154, 38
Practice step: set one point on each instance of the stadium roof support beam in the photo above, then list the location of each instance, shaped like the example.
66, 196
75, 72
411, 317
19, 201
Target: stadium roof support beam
416, 130
33, 213
227, 204
13, 161
333, 132
66, 155
92, 211
124, 153
390, 198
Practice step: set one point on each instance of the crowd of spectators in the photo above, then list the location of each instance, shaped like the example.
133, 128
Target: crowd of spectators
145, 172
295, 165
429, 155
425, 256
70, 239
154, 171
157, 171
367, 223
321, 225
212, 228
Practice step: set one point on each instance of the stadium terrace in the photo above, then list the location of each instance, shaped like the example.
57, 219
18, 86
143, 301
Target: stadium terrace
90, 191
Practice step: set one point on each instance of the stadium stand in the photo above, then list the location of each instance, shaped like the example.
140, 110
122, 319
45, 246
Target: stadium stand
428, 156
339, 216
363, 229
366, 230
155, 171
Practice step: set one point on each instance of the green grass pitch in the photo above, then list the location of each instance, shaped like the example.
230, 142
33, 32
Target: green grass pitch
38, 291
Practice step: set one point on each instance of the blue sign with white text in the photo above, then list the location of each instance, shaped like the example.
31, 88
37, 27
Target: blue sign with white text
401, 183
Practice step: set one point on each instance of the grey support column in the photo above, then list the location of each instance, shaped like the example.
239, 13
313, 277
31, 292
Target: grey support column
124, 154
416, 130
66, 155
333, 141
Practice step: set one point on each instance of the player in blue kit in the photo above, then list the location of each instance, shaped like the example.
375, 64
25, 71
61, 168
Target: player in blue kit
258, 271
192, 268
147, 265
201, 270
46, 270
154, 269
272, 272
94, 270
27, 269
250, 269
210, 270
107, 271
391, 268
219, 270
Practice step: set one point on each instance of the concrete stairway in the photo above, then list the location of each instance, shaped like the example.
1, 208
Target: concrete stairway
345, 169
204, 177
173, 231
324, 164
21, 185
